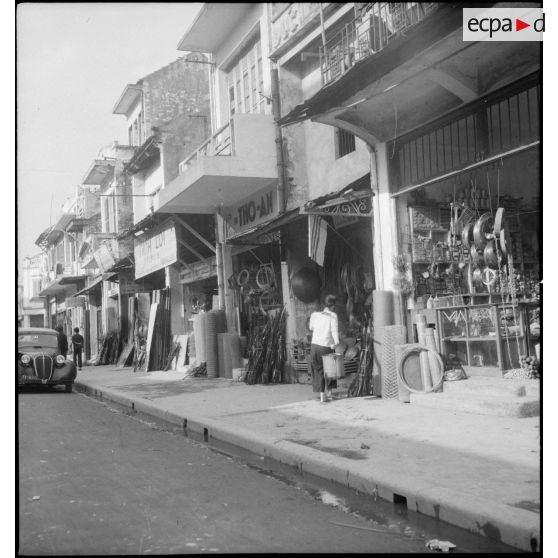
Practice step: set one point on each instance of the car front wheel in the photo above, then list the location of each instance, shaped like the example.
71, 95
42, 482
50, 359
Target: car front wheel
69, 388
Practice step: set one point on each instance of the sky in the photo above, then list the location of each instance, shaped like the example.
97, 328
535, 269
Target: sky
73, 61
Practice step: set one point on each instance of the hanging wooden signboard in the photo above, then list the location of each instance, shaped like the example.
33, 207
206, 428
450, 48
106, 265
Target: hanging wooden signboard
155, 249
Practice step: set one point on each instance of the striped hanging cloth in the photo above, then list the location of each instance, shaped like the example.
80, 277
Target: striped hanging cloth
317, 237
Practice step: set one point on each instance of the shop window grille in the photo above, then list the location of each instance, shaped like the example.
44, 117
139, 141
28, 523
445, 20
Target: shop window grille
492, 125
344, 143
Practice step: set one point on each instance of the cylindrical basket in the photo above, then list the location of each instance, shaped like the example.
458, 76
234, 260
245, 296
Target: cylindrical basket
421, 387
334, 366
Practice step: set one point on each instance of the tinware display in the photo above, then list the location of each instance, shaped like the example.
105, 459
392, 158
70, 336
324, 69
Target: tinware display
467, 235
476, 257
483, 230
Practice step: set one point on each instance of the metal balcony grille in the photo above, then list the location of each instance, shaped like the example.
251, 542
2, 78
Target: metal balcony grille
378, 25
220, 143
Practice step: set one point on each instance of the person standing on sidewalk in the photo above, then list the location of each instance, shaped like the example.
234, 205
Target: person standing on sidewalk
62, 341
325, 335
77, 346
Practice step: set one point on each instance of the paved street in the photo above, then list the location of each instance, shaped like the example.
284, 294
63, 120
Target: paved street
95, 481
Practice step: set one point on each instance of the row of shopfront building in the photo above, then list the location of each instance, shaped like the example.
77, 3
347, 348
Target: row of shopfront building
303, 145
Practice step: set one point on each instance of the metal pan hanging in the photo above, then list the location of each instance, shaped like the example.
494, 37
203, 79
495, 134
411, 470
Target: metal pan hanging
499, 221
483, 230
492, 258
467, 235
476, 258
504, 241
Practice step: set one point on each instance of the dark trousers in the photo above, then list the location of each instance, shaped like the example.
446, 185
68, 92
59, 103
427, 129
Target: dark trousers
77, 356
319, 381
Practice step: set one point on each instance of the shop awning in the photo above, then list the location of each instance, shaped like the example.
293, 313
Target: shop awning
143, 156
124, 263
265, 233
355, 200
148, 222
96, 283
59, 284
48, 236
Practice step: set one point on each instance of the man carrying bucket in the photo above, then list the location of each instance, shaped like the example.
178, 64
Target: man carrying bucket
325, 335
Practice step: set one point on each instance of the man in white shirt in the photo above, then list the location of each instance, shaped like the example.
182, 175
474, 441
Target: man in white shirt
325, 335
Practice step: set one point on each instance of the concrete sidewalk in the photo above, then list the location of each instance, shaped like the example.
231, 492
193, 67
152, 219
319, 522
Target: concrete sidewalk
478, 472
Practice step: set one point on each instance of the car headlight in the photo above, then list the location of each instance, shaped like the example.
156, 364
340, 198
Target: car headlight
25, 360
60, 360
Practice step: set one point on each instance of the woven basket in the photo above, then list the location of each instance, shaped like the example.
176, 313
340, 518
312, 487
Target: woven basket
413, 351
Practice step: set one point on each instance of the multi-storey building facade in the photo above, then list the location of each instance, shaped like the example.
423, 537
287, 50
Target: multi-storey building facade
384, 111
31, 311
452, 128
167, 116
62, 273
263, 186
103, 256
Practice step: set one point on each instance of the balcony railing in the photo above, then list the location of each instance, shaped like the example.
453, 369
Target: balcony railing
374, 29
219, 144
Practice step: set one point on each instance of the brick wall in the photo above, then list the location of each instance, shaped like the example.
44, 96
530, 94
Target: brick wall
176, 101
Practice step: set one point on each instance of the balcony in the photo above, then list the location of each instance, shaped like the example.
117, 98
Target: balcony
219, 144
370, 33
238, 160
61, 278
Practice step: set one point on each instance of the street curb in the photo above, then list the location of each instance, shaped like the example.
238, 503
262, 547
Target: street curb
482, 517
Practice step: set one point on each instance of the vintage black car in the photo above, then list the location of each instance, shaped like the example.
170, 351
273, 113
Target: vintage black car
39, 360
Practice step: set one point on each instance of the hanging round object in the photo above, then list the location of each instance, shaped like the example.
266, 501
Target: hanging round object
504, 241
499, 223
491, 257
483, 230
476, 258
243, 277
467, 235
488, 277
477, 278
306, 285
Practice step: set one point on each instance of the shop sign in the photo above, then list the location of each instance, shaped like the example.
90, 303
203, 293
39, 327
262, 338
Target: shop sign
75, 301
197, 271
103, 257
128, 286
156, 249
254, 210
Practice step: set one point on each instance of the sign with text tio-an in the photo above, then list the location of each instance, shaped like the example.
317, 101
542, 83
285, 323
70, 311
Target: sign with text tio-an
155, 249
254, 210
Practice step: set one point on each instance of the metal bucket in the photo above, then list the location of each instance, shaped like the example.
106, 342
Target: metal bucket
334, 366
